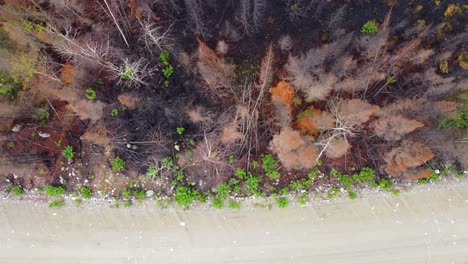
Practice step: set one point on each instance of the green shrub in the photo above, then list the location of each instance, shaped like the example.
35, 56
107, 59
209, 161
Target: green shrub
180, 130
365, 176
86, 192
223, 190
17, 191
151, 172
217, 202
185, 196
385, 185
127, 73
118, 164
128, 203
126, 193
270, 166
352, 195
68, 152
282, 202
240, 173
333, 192
302, 199
139, 194
114, 112
164, 57
459, 121
370, 28
233, 204
168, 71
57, 203
252, 183
53, 191
90, 93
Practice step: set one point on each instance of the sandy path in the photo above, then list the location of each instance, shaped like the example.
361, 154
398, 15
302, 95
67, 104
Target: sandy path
426, 225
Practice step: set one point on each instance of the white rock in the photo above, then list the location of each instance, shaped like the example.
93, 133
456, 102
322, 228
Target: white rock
149, 193
44, 134
17, 128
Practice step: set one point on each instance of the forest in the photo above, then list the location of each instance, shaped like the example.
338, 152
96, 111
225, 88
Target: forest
211, 101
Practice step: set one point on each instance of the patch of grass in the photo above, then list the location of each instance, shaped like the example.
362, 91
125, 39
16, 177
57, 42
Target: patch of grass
151, 172
302, 200
233, 204
68, 152
86, 192
460, 120
370, 28
127, 73
5, 42
385, 185
240, 173
185, 196
333, 192
117, 163
17, 191
365, 176
54, 191
139, 194
252, 184
128, 203
77, 202
90, 93
282, 202
217, 202
180, 130
223, 190
57, 203
270, 166
352, 195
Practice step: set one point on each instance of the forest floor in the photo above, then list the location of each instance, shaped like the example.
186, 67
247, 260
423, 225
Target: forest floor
425, 225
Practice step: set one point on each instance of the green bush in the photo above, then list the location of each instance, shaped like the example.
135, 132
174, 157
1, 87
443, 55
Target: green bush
217, 202
53, 191
86, 192
118, 164
270, 166
459, 121
365, 176
151, 172
185, 196
370, 28
17, 191
282, 202
57, 203
223, 190
90, 93
333, 192
68, 152
252, 183
127, 73
139, 194
233, 204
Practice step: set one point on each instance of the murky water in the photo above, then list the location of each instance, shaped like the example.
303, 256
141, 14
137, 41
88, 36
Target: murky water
426, 225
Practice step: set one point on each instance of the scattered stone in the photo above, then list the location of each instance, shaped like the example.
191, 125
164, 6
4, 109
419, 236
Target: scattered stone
17, 128
44, 135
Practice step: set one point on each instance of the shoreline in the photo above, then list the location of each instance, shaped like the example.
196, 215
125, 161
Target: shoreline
248, 203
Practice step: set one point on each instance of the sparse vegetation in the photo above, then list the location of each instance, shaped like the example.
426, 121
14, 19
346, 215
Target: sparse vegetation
68, 152
118, 164
86, 192
54, 191
255, 107
370, 28
57, 203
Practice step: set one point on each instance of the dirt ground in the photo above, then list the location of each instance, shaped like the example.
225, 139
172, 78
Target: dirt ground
425, 225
